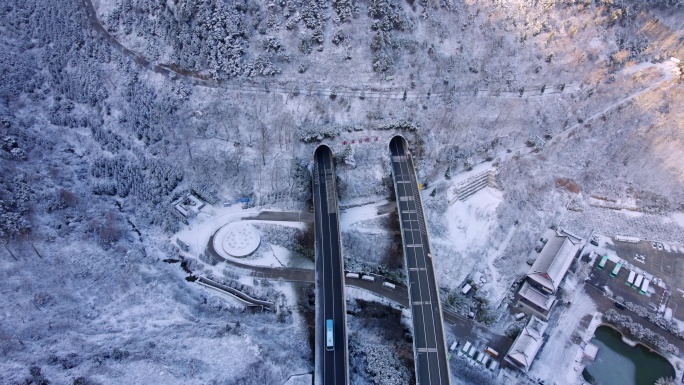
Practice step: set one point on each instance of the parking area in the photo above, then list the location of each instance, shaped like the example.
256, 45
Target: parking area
657, 261
664, 264
602, 280
466, 332
477, 354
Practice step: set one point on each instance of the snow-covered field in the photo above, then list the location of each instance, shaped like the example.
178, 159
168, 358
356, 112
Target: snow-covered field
350, 216
560, 357
663, 228
110, 114
467, 245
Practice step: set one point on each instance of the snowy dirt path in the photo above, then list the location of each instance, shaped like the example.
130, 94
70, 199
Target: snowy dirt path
318, 90
667, 69
497, 254
352, 215
668, 75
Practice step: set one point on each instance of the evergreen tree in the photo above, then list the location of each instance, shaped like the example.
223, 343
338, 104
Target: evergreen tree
348, 156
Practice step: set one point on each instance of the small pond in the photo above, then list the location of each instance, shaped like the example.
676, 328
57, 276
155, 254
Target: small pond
620, 364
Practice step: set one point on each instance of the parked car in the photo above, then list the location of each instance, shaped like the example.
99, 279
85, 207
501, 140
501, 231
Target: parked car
594, 240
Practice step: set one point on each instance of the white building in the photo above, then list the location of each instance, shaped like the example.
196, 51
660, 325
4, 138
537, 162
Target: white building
527, 345
188, 205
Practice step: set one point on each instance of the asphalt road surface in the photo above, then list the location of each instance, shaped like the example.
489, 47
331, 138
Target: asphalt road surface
331, 365
428, 334
284, 216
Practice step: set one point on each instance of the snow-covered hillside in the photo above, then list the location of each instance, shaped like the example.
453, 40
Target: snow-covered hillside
110, 111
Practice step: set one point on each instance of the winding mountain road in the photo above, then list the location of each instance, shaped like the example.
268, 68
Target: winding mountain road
311, 89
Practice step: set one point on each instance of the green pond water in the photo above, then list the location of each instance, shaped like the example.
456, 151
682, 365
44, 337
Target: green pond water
620, 364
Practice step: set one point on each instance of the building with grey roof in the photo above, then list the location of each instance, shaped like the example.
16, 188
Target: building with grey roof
553, 262
527, 345
547, 272
536, 299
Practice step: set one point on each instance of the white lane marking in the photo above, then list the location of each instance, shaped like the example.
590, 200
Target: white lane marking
420, 295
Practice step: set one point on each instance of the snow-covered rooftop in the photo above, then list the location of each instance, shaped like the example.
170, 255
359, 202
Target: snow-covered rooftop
554, 260
536, 297
527, 344
590, 351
